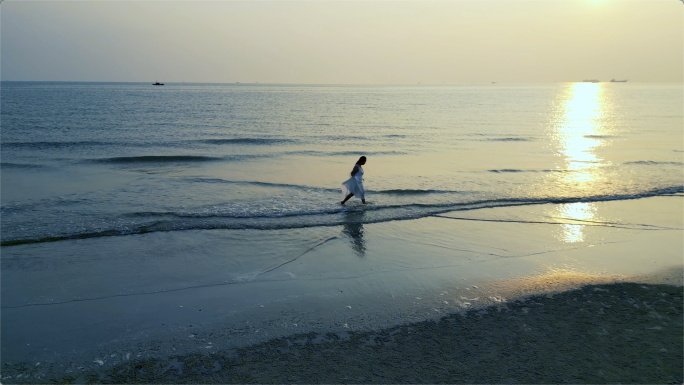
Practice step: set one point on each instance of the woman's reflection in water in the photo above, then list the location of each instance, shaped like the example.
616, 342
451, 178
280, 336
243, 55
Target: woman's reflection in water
353, 230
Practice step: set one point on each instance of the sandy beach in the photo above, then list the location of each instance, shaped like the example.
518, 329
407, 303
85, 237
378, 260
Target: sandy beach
621, 332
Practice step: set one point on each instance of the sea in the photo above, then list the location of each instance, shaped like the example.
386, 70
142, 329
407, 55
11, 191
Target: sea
124, 191
105, 159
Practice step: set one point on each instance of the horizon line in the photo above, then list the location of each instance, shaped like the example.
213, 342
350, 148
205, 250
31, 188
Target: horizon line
333, 84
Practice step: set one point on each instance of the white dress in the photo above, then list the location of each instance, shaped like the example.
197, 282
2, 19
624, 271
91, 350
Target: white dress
354, 185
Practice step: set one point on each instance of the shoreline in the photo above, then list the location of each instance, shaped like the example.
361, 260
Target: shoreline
600, 332
358, 283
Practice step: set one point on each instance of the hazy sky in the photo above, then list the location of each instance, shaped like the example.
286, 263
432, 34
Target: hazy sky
342, 42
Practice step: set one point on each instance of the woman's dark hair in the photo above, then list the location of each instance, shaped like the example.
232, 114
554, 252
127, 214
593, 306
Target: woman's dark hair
355, 170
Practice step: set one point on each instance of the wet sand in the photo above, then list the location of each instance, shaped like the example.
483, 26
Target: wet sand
307, 305
622, 332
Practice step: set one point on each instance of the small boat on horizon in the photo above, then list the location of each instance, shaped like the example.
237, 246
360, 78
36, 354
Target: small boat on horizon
591, 81
158, 84
618, 81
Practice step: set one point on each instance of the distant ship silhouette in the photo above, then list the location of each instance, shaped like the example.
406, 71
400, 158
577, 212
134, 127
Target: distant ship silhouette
158, 84
618, 81
591, 81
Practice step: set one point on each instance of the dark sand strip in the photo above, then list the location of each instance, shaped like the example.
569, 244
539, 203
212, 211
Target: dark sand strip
622, 332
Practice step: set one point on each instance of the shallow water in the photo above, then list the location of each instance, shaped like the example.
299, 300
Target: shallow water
130, 212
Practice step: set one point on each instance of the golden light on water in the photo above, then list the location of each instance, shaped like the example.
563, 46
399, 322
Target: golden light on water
579, 131
572, 233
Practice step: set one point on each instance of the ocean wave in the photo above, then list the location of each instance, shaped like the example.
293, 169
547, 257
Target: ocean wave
505, 170
514, 139
246, 141
345, 153
44, 145
71, 144
158, 159
456, 206
342, 137
257, 183
508, 170
598, 136
396, 192
651, 162
333, 216
21, 165
412, 192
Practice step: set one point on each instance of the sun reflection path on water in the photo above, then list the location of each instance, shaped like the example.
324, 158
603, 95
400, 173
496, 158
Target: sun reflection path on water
577, 134
572, 233
578, 131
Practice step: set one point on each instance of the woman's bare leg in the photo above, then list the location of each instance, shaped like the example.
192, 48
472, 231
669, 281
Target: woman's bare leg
363, 201
346, 199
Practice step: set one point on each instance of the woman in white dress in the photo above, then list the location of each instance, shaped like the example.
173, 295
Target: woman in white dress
354, 185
